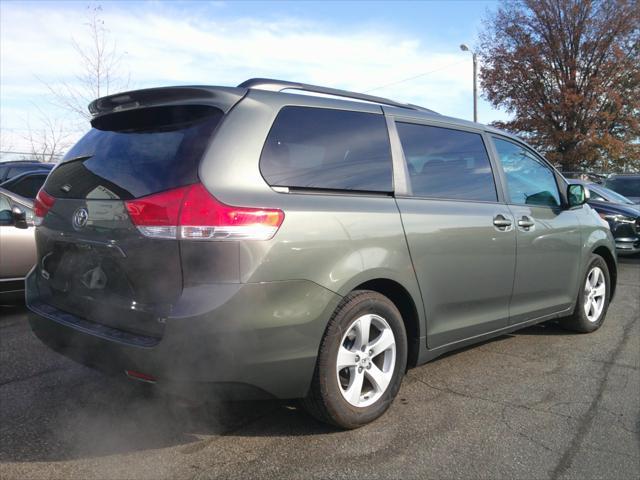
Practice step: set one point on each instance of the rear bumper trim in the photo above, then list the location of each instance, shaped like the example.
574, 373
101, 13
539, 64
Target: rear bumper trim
96, 329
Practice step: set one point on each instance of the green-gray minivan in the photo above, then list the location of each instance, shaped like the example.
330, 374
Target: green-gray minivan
294, 241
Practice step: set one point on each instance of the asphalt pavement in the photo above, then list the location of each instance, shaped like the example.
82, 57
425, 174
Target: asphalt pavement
539, 403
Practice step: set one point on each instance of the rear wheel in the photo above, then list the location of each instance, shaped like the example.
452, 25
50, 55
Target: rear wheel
361, 362
593, 299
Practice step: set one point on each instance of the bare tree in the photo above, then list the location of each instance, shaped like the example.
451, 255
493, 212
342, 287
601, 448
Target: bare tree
48, 140
99, 73
99, 69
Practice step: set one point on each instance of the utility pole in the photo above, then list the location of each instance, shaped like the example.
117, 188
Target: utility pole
465, 48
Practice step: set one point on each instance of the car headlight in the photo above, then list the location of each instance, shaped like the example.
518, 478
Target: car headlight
619, 218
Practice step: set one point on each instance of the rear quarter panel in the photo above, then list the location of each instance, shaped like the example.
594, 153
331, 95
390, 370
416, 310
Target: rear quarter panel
336, 241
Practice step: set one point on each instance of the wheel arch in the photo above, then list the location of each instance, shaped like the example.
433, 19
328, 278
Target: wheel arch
612, 265
404, 302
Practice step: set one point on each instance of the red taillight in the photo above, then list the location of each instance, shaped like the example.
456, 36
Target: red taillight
144, 377
157, 215
41, 205
192, 213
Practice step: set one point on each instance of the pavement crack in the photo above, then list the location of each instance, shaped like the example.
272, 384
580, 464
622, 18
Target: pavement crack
34, 375
491, 400
532, 440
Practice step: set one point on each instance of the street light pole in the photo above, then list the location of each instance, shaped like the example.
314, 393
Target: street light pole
465, 48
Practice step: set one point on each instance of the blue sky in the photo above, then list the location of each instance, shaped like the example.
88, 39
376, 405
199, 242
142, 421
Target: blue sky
355, 45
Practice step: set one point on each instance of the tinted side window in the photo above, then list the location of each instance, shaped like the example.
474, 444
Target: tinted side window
328, 149
13, 171
529, 180
447, 163
28, 187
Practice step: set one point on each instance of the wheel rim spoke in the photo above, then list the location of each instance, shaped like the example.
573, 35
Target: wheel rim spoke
354, 392
346, 358
379, 379
382, 343
600, 290
363, 326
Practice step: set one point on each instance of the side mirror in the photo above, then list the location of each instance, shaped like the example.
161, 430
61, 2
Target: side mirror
19, 218
577, 194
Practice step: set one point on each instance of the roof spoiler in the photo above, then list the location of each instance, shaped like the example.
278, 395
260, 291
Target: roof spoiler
221, 97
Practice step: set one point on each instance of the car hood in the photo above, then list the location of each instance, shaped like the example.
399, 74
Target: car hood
616, 208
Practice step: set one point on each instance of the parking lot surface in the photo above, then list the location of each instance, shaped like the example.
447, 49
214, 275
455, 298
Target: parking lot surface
540, 403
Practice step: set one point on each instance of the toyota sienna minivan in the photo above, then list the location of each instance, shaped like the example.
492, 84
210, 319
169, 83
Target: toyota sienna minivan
286, 240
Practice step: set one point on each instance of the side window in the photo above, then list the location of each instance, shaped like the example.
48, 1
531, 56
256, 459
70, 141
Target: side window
13, 171
447, 163
529, 180
6, 218
328, 149
28, 187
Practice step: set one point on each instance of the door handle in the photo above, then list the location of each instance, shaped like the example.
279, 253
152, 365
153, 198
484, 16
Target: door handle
501, 222
526, 223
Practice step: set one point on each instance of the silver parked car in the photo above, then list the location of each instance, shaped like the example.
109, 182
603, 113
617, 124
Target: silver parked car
17, 243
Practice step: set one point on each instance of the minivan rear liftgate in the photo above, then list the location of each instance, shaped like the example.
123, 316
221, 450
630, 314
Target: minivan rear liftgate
107, 252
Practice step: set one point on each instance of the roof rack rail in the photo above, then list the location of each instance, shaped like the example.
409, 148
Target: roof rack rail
280, 85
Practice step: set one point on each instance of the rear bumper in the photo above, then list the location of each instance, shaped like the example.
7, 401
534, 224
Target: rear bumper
242, 339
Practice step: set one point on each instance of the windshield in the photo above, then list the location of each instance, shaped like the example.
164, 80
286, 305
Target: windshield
610, 195
627, 186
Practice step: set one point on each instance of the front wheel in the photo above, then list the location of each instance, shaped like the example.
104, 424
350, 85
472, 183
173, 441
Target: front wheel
361, 362
593, 299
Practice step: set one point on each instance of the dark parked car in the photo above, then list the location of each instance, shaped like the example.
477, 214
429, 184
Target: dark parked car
13, 168
622, 215
625, 184
26, 184
302, 246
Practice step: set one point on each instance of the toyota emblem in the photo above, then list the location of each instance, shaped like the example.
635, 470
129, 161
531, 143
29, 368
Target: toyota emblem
80, 217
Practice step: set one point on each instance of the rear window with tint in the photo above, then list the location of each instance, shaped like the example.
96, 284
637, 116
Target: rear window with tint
328, 149
132, 154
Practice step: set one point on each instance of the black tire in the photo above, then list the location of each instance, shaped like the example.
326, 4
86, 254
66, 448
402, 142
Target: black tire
325, 400
578, 321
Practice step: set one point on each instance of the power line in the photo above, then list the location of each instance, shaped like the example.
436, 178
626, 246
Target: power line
414, 77
9, 152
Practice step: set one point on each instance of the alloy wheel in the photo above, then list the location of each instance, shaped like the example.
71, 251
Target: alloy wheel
366, 360
595, 291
